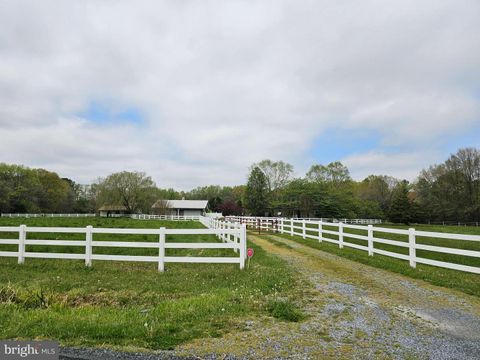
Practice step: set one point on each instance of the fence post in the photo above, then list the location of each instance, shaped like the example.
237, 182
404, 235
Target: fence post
303, 228
236, 239
161, 250
281, 226
88, 246
411, 243
22, 234
291, 227
227, 236
243, 245
340, 235
320, 232
370, 240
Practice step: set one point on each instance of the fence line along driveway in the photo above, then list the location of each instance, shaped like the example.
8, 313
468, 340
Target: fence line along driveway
367, 239
232, 235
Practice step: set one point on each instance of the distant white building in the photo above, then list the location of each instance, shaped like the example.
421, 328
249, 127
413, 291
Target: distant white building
180, 207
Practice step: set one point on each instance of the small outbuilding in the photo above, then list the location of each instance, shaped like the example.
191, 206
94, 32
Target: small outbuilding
180, 207
112, 211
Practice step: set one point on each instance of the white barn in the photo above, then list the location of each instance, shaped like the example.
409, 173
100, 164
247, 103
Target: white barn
180, 207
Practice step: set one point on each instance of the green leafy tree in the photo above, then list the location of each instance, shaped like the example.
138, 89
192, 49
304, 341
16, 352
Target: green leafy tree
33, 190
334, 172
134, 190
54, 193
400, 208
257, 192
377, 190
451, 191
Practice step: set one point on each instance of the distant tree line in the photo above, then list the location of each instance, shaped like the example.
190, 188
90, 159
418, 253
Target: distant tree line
25, 190
444, 192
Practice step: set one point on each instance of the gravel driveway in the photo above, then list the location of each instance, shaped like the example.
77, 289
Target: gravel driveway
354, 312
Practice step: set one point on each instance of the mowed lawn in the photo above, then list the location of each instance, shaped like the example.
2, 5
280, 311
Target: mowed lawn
129, 305
466, 282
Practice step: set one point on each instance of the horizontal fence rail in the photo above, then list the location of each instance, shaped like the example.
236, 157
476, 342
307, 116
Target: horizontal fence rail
253, 221
345, 221
371, 236
165, 217
133, 216
232, 236
47, 215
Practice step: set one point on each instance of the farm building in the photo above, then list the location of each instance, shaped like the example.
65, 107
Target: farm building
180, 207
112, 210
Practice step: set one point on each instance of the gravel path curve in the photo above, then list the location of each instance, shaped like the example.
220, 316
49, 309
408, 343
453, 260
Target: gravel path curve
354, 312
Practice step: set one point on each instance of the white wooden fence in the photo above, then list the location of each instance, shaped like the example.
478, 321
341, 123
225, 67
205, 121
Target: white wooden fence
46, 215
261, 221
133, 216
315, 230
232, 235
165, 217
345, 221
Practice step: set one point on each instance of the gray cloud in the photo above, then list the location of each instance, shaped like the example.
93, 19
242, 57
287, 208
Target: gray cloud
224, 84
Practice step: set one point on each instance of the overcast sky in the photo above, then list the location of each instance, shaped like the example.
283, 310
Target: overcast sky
193, 92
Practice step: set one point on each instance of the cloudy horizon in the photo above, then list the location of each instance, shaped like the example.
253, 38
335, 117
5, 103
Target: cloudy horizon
194, 92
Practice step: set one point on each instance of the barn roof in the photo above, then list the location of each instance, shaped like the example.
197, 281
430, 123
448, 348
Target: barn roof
183, 204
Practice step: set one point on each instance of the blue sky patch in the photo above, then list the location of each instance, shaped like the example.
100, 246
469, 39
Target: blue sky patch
102, 113
337, 143
469, 137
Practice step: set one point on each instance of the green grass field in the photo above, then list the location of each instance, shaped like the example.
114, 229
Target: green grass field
466, 282
129, 305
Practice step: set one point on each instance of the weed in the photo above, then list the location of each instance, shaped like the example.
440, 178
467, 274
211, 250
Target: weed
285, 310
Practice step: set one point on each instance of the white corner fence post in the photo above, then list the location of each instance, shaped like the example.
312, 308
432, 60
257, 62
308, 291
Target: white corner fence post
304, 229
340, 235
88, 245
281, 226
320, 231
22, 235
161, 250
243, 245
370, 240
411, 247
291, 227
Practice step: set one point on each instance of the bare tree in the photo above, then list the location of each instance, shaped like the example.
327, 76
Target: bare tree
161, 207
278, 173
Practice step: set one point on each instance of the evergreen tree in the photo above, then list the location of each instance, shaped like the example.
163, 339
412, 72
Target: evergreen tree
400, 208
257, 192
